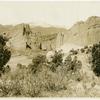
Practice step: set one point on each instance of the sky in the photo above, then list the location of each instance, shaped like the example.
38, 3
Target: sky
63, 14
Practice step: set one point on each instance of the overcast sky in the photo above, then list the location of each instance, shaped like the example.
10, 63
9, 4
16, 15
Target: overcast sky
54, 13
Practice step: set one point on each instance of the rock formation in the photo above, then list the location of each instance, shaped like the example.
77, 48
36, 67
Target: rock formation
60, 40
85, 33
23, 37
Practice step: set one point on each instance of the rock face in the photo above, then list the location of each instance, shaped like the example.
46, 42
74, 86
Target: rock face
43, 38
49, 38
60, 40
18, 40
23, 37
39, 41
85, 33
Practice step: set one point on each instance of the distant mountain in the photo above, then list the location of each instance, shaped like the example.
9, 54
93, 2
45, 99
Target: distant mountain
34, 24
48, 30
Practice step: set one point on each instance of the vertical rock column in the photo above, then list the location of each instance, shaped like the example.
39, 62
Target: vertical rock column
60, 39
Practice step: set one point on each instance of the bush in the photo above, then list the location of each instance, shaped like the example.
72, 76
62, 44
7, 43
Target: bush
68, 62
72, 64
37, 62
7, 69
85, 47
39, 59
74, 52
96, 58
82, 50
57, 59
5, 54
72, 67
3, 40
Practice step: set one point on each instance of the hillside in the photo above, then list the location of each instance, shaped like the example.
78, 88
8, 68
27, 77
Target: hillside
85, 32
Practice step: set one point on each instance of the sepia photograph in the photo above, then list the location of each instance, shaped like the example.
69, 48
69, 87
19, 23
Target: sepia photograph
49, 49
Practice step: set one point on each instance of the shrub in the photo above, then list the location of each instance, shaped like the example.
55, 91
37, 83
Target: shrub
85, 47
3, 40
96, 59
7, 69
37, 63
68, 62
57, 59
68, 59
73, 64
5, 54
38, 59
74, 52
72, 67
82, 50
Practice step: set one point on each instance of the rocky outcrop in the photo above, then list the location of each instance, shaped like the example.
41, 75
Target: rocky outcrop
85, 33
17, 40
23, 37
49, 38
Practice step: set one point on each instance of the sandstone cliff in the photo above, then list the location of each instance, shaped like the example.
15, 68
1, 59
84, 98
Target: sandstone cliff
85, 33
22, 37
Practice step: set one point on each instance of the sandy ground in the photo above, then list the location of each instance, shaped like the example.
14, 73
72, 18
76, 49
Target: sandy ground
24, 60
68, 46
